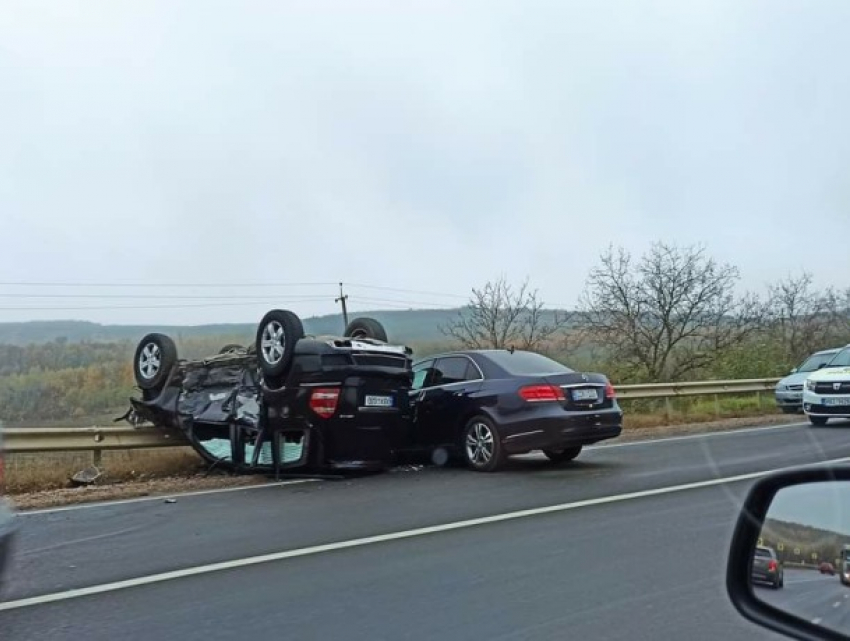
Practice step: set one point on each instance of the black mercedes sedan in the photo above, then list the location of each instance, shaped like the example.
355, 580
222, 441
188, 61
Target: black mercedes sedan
483, 405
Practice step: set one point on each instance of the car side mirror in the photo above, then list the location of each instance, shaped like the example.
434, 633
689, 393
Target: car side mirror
793, 370
789, 561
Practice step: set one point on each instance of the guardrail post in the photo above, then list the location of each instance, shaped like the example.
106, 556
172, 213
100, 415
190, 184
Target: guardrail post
668, 410
96, 457
758, 400
717, 405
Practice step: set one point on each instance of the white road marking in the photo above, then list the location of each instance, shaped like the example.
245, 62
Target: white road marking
380, 538
837, 604
817, 620
162, 497
733, 432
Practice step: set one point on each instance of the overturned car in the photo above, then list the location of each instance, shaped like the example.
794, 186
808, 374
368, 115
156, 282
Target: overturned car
286, 401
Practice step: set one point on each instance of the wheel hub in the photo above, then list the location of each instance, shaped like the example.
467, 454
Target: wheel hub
273, 342
150, 361
479, 444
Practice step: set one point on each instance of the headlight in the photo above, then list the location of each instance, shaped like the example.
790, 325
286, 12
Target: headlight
810, 385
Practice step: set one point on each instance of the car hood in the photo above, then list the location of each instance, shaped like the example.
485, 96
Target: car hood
797, 378
828, 374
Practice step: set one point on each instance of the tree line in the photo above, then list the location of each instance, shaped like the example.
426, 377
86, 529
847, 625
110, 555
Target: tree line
671, 314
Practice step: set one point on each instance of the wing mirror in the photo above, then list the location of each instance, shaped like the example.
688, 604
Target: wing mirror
793, 370
789, 562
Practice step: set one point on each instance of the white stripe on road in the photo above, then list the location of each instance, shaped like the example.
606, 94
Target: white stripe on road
380, 538
817, 620
162, 497
732, 432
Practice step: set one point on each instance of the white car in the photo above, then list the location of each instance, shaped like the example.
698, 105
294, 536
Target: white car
827, 390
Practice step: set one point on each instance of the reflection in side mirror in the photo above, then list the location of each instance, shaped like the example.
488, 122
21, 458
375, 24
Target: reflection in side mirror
789, 566
804, 544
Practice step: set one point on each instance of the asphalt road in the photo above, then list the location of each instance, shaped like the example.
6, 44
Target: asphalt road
820, 598
627, 542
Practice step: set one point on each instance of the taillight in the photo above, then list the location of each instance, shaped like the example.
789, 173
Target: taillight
540, 393
324, 400
771, 566
609, 390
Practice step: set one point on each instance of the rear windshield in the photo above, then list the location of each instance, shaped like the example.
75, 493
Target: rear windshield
526, 363
762, 552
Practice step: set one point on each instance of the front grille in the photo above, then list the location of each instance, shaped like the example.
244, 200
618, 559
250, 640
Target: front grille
832, 388
795, 388
840, 410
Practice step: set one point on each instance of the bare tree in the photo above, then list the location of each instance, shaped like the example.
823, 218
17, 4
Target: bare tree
668, 314
804, 319
497, 317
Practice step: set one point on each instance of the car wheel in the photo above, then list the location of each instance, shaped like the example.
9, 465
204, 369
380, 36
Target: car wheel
156, 355
564, 455
230, 347
366, 328
482, 446
818, 420
277, 334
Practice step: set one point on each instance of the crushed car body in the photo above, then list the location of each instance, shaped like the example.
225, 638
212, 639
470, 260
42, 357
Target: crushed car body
288, 401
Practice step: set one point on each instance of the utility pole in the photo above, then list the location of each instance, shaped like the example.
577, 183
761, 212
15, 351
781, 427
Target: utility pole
342, 298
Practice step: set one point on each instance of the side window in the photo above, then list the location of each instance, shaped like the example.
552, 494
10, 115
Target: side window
451, 370
423, 374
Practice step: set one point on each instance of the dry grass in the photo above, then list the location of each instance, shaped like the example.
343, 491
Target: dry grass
47, 471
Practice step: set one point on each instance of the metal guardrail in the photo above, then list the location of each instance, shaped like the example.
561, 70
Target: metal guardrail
98, 439
22, 440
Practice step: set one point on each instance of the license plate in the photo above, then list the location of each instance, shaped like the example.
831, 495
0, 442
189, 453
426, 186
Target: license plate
379, 401
836, 401
585, 395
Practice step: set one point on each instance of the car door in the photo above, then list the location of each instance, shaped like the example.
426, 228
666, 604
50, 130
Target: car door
446, 394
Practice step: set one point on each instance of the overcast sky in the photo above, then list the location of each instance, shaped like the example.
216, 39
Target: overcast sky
421, 146
824, 505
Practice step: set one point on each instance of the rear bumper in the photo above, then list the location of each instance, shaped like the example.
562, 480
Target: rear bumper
764, 577
560, 430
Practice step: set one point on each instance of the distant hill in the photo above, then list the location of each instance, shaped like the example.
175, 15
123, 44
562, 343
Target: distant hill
402, 325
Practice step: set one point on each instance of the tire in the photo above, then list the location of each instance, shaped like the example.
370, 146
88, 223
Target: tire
482, 446
230, 347
564, 455
155, 357
277, 334
818, 420
366, 328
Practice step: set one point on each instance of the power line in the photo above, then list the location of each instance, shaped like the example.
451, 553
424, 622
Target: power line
69, 284
162, 296
120, 307
398, 301
408, 291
